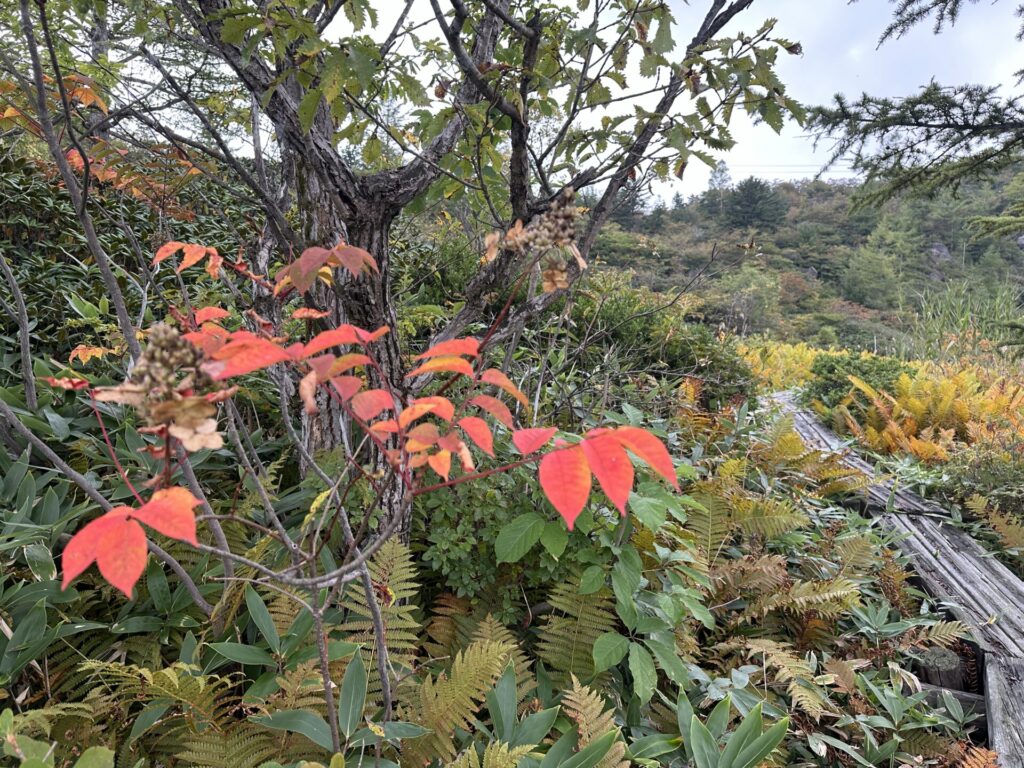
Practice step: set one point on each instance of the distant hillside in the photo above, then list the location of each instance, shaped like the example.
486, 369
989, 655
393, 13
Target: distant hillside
799, 261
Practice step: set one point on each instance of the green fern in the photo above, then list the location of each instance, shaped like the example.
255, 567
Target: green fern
394, 577
568, 634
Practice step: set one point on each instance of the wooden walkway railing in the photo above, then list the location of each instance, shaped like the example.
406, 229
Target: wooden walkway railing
954, 568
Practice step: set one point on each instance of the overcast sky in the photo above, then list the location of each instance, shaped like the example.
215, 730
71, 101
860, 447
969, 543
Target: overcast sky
840, 55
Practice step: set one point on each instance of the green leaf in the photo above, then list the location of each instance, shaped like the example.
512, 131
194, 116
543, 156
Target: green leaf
669, 661
645, 676
609, 649
395, 730
718, 720
309, 724
592, 580
555, 538
591, 754
307, 108
748, 730
352, 698
147, 718
96, 757
40, 562
705, 748
261, 618
517, 537
534, 728
763, 745
501, 704
243, 654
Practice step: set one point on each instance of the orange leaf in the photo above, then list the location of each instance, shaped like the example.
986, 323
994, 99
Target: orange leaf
214, 264
166, 250
479, 432
115, 542
499, 379
413, 412
495, 407
192, 253
441, 462
366, 337
170, 512
206, 314
529, 440
308, 313
367, 405
469, 347
343, 334
209, 339
385, 427
421, 437
565, 480
611, 466
307, 392
85, 353
444, 363
443, 407
244, 354
648, 449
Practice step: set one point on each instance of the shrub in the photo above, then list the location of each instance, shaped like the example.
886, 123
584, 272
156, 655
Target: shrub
832, 371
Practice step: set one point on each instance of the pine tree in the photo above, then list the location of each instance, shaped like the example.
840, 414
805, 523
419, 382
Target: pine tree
754, 204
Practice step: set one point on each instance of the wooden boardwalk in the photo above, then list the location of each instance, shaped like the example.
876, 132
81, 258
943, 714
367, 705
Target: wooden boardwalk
954, 568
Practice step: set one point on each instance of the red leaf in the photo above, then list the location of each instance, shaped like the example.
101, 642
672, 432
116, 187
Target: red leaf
354, 259
303, 270
499, 379
441, 462
611, 466
648, 449
495, 407
469, 347
308, 313
209, 339
115, 542
366, 337
444, 363
66, 383
307, 392
367, 405
347, 386
206, 314
529, 440
166, 250
565, 479
169, 512
443, 407
245, 354
343, 334
479, 432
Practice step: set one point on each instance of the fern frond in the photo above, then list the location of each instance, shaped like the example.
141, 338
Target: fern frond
496, 755
568, 634
393, 573
588, 710
450, 703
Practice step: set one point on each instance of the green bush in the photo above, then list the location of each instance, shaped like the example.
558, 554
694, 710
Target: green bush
654, 336
832, 371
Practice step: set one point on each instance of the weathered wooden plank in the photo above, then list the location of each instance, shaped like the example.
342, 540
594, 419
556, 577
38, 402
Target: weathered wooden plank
1004, 693
978, 589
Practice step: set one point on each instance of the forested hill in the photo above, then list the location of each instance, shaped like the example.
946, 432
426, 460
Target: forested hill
800, 260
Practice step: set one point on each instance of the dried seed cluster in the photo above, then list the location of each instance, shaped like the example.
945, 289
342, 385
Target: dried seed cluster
166, 355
